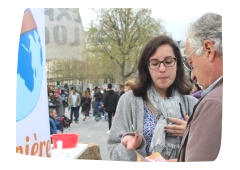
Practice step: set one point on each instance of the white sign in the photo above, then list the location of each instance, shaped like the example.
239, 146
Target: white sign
32, 117
23, 89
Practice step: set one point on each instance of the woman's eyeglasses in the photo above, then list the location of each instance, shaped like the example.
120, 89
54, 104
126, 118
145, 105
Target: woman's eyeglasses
167, 62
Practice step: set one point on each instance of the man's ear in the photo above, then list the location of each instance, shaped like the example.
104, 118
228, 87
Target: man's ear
209, 48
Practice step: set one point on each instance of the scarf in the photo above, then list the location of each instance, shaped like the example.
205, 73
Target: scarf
165, 144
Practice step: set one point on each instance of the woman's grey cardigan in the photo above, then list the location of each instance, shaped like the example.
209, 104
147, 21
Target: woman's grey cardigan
130, 110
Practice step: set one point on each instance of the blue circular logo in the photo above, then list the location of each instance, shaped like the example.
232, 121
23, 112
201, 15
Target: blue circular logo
29, 73
25, 64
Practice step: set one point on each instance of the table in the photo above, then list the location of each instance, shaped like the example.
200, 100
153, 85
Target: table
69, 154
60, 159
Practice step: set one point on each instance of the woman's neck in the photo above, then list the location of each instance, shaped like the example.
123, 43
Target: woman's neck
162, 92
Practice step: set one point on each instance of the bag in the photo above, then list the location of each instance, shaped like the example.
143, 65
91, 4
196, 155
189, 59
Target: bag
65, 121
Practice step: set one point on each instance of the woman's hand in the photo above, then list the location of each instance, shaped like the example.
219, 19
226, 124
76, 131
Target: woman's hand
178, 126
132, 142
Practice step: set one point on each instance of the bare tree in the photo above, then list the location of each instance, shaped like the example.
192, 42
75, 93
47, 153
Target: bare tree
118, 36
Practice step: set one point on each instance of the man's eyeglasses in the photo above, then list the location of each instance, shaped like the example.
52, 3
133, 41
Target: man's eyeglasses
155, 63
188, 66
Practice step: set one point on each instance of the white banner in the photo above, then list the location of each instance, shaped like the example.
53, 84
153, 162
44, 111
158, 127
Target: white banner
32, 117
64, 34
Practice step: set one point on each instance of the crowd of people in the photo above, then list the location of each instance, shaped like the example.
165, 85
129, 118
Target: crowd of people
162, 111
95, 101
82, 103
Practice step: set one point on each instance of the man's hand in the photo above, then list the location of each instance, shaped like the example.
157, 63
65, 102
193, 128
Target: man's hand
178, 126
132, 142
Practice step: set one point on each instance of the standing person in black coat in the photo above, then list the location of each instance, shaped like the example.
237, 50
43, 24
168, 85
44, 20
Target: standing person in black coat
86, 104
110, 100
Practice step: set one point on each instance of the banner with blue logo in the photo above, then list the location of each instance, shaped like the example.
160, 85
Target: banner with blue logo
32, 117
23, 88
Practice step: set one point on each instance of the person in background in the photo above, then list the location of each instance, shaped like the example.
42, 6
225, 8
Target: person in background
110, 101
161, 91
74, 101
85, 104
52, 97
64, 96
104, 91
52, 120
92, 101
121, 90
129, 85
97, 101
78, 107
88, 89
59, 104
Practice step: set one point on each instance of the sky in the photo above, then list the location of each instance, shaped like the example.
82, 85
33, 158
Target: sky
174, 22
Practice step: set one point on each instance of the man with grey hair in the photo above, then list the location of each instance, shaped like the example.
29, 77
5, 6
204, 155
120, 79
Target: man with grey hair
202, 138
229, 104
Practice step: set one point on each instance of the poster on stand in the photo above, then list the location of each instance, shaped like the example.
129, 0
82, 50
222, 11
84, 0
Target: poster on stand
32, 117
